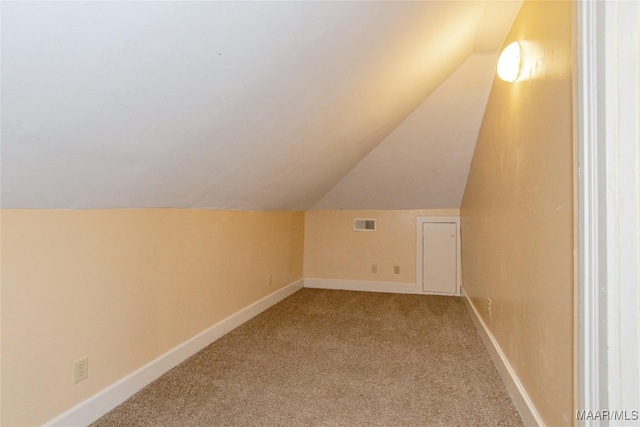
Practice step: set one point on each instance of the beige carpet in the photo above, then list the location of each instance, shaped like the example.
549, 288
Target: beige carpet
334, 358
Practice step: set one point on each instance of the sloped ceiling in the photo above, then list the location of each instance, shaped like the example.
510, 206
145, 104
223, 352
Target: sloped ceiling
228, 105
424, 162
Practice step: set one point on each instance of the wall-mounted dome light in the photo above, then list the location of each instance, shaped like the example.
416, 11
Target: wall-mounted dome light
509, 62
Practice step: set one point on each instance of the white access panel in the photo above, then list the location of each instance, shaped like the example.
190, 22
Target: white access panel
440, 257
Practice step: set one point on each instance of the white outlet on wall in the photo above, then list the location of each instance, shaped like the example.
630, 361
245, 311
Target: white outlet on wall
374, 268
81, 369
489, 306
396, 269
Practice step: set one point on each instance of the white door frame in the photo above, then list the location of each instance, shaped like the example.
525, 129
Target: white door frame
437, 219
607, 111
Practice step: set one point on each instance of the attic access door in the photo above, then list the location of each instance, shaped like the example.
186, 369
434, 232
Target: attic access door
438, 255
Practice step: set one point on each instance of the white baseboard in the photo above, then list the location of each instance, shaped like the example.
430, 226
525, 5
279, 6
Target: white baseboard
521, 399
357, 285
102, 402
367, 286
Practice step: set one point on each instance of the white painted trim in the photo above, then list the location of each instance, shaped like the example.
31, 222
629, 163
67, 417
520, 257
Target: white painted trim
521, 399
362, 285
431, 219
589, 67
102, 402
608, 103
621, 63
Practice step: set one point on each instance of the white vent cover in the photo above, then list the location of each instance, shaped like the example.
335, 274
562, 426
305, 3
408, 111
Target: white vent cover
364, 224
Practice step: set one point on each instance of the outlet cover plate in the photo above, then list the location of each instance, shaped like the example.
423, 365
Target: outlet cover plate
81, 369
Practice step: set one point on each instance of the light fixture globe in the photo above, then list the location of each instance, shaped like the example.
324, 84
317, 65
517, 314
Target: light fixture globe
509, 62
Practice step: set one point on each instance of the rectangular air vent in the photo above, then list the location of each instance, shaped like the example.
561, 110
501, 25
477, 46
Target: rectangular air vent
364, 224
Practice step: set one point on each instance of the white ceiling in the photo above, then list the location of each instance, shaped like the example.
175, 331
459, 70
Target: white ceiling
425, 161
233, 105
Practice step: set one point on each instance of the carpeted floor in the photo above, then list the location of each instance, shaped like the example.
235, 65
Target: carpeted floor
334, 358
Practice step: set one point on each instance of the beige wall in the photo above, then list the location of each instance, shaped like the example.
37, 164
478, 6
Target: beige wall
124, 287
332, 250
517, 227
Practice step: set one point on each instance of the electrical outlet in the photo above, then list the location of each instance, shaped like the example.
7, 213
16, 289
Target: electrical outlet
374, 268
81, 369
489, 306
270, 279
396, 269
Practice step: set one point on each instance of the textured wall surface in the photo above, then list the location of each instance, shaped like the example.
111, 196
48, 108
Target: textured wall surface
123, 287
517, 212
333, 250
